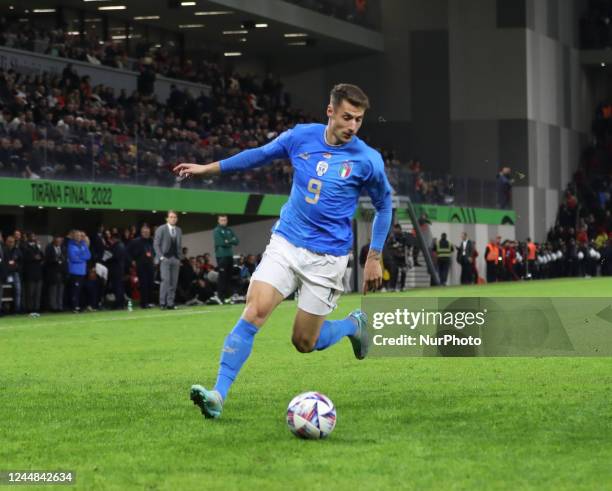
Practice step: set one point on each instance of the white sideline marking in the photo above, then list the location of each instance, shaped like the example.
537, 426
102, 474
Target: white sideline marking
81, 320
85, 318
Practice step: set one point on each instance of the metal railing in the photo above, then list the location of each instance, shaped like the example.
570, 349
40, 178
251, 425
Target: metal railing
366, 14
80, 156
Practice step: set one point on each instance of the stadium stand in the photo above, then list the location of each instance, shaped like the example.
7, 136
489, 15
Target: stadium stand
66, 126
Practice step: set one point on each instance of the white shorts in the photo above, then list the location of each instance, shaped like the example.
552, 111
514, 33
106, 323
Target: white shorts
316, 277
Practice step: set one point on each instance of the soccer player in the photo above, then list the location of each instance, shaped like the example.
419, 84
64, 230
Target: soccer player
309, 248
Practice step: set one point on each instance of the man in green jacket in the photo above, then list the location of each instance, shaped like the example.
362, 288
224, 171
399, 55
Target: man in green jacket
225, 240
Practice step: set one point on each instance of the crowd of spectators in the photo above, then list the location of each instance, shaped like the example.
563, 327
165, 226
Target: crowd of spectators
66, 126
161, 59
80, 272
585, 251
411, 179
61, 126
362, 12
557, 257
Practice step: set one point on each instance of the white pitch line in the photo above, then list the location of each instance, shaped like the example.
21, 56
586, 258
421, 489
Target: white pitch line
32, 323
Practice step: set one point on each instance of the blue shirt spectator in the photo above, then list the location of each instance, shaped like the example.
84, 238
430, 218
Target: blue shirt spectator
78, 253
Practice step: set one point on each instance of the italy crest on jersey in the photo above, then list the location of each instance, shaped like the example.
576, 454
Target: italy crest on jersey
345, 169
322, 167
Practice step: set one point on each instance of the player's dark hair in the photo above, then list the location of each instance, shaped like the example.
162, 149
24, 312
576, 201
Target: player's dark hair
350, 93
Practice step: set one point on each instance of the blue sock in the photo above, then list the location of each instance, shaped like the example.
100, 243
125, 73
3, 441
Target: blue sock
236, 349
334, 331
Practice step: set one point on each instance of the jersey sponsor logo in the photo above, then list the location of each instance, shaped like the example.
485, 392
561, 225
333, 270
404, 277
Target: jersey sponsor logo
327, 155
345, 169
322, 167
304, 156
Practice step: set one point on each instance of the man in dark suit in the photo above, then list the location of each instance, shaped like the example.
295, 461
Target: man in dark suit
142, 253
464, 257
55, 273
168, 254
116, 270
33, 273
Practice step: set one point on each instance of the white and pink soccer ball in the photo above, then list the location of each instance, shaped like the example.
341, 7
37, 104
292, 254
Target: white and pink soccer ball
311, 415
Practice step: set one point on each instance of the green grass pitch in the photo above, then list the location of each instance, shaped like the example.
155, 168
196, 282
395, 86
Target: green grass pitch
106, 395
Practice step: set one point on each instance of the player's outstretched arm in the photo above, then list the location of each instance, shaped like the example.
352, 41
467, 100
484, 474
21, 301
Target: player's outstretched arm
188, 170
247, 159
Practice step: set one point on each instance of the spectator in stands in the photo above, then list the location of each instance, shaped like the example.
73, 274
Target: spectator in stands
78, 255
32, 273
14, 268
142, 253
504, 188
146, 79
225, 240
55, 273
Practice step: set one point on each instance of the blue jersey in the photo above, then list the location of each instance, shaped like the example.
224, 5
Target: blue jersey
327, 183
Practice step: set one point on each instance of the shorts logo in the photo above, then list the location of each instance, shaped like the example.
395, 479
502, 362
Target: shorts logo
327, 155
322, 167
345, 169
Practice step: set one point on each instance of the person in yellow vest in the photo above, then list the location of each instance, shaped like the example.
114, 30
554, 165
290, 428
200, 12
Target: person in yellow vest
531, 258
443, 249
492, 258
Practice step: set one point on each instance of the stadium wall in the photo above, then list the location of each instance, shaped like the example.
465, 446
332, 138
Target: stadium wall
253, 237
469, 86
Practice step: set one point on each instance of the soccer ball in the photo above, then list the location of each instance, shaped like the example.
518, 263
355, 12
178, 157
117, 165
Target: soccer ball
311, 415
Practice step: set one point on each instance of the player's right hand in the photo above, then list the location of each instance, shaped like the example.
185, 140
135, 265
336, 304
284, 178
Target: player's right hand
372, 272
188, 170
